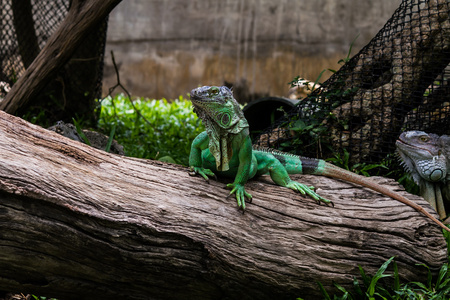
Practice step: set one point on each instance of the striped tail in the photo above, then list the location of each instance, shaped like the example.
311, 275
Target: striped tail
295, 164
339, 173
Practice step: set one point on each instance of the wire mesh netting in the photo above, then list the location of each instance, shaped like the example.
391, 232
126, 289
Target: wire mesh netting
399, 81
26, 26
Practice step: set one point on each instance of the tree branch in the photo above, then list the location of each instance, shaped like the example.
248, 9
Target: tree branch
82, 16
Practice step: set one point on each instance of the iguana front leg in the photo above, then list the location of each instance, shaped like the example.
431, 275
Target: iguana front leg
199, 144
242, 165
246, 169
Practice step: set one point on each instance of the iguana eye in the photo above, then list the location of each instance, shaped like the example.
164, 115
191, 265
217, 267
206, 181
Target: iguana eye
225, 119
214, 90
424, 138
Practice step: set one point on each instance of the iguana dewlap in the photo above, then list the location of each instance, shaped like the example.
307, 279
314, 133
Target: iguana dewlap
225, 149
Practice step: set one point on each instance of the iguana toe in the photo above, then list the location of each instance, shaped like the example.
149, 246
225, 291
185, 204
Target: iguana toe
241, 194
308, 190
203, 172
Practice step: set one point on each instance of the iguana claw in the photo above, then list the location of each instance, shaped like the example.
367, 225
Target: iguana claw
203, 172
308, 190
241, 194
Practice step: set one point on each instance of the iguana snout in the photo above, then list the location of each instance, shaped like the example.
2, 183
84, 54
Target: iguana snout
422, 143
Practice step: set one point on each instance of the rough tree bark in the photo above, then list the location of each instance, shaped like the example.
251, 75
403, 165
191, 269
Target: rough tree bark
77, 222
83, 15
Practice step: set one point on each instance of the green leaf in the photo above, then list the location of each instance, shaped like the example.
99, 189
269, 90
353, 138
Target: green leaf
442, 275
324, 292
445, 284
80, 132
396, 277
380, 296
378, 276
366, 280
420, 284
357, 287
318, 78
111, 137
294, 81
340, 288
173, 126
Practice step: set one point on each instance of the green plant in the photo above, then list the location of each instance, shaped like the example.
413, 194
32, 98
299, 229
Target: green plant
370, 289
342, 161
409, 184
40, 118
397, 172
310, 127
111, 137
42, 298
347, 59
80, 131
429, 290
309, 136
154, 129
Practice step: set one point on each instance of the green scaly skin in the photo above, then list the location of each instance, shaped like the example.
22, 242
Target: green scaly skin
225, 149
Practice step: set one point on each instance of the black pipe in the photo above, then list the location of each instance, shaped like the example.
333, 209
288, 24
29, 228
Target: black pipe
262, 113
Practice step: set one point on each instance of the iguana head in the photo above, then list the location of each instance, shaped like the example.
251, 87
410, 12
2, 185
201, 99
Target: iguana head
422, 156
223, 119
217, 104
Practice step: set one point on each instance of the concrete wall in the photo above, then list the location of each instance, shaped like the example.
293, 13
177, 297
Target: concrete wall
167, 47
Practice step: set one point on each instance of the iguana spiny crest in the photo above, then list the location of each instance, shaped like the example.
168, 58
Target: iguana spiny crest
222, 117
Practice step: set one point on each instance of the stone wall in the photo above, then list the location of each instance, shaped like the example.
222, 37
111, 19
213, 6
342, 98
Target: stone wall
166, 48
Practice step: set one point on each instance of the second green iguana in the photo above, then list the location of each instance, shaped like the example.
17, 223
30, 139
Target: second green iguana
225, 149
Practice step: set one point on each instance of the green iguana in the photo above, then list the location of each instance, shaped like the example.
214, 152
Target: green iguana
424, 156
225, 149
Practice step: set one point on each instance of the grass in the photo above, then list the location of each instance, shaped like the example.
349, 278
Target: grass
152, 129
369, 287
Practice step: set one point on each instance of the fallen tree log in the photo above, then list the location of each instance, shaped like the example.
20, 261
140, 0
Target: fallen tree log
77, 222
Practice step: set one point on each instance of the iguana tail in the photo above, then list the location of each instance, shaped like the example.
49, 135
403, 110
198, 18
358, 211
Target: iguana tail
327, 169
295, 164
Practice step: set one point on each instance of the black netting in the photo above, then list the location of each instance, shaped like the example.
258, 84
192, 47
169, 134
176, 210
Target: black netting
399, 81
26, 26
24, 36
